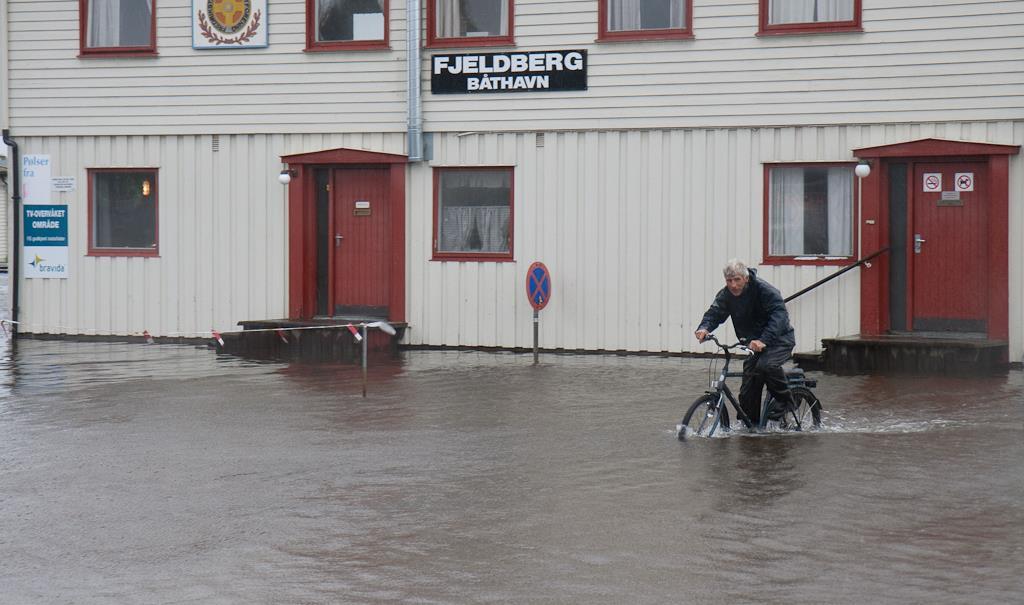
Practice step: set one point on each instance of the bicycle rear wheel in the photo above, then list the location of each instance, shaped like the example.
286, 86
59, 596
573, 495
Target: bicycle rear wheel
808, 408
702, 419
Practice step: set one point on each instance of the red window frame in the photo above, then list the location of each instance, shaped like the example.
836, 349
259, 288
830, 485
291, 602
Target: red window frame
93, 250
604, 35
807, 259
475, 256
113, 51
313, 46
826, 27
433, 41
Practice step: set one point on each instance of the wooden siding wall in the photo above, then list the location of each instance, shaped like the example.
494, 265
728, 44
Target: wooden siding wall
222, 235
916, 60
635, 227
278, 89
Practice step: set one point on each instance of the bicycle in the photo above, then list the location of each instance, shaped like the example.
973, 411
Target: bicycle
708, 413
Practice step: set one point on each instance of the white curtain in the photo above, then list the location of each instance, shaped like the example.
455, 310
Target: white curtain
503, 18
474, 229
626, 15
492, 222
840, 212
105, 21
786, 212
449, 18
475, 211
809, 11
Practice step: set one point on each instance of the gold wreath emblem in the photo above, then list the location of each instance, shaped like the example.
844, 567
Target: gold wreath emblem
228, 16
212, 36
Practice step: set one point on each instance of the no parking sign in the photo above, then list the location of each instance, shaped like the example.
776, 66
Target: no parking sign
538, 285
538, 291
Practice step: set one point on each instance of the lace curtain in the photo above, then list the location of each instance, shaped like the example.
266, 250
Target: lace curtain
474, 229
474, 211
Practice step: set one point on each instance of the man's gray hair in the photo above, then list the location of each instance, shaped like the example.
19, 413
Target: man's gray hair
735, 268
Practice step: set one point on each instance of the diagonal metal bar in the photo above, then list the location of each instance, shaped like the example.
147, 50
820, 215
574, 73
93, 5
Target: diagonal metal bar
862, 261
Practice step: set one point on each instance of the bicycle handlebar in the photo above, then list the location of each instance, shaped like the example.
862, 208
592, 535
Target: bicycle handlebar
741, 345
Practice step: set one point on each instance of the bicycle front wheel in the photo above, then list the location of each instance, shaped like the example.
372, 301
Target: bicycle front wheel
702, 419
808, 408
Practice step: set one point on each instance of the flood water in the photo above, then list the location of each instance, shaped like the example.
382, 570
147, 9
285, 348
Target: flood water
133, 473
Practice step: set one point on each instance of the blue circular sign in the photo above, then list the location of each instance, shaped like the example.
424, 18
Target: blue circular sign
538, 285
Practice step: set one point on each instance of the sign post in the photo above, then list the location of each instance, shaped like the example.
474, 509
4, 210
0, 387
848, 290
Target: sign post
538, 290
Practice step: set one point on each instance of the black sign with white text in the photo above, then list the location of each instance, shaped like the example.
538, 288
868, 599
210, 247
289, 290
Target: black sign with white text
509, 72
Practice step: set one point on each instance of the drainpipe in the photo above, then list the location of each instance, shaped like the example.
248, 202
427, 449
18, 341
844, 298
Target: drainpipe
414, 103
14, 178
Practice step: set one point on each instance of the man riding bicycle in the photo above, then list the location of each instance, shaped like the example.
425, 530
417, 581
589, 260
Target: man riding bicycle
759, 316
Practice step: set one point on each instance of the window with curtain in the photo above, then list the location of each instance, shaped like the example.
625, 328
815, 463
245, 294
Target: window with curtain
469, 19
118, 24
810, 211
474, 212
123, 212
794, 16
346, 21
645, 15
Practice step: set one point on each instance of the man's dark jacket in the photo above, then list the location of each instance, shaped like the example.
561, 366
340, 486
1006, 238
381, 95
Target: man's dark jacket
758, 313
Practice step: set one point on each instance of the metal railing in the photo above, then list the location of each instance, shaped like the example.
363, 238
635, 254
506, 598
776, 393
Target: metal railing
862, 261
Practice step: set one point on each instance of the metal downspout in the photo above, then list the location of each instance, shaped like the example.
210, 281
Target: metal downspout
414, 104
14, 176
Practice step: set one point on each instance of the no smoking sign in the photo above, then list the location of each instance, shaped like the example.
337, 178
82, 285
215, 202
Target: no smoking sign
932, 181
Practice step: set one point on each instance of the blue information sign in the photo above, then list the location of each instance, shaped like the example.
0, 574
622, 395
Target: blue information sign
46, 240
538, 285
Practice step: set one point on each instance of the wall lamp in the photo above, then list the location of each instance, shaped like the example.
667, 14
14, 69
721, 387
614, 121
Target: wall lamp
286, 176
863, 169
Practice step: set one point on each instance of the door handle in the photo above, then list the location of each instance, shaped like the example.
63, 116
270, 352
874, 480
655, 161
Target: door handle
918, 240
337, 239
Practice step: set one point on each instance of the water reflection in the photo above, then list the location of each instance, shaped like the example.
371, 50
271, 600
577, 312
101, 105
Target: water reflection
754, 471
170, 473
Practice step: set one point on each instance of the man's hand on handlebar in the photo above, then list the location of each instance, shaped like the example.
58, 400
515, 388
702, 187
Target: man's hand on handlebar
701, 335
756, 346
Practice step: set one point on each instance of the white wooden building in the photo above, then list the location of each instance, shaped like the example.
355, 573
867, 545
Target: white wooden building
706, 130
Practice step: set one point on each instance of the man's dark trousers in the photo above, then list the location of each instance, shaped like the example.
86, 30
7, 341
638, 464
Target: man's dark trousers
764, 369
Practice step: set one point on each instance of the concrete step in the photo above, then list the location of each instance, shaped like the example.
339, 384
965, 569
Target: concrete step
918, 354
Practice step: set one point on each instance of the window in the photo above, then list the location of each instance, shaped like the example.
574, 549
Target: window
117, 27
346, 24
645, 19
123, 212
809, 16
809, 212
469, 22
473, 213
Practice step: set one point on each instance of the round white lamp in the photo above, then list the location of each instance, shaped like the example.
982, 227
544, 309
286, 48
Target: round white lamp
862, 170
285, 177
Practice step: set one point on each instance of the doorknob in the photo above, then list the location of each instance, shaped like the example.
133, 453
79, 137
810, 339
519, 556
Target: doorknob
337, 239
918, 240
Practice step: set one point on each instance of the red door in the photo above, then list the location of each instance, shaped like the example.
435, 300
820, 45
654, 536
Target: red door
360, 242
948, 248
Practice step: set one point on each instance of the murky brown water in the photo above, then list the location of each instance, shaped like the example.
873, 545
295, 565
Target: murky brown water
137, 473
